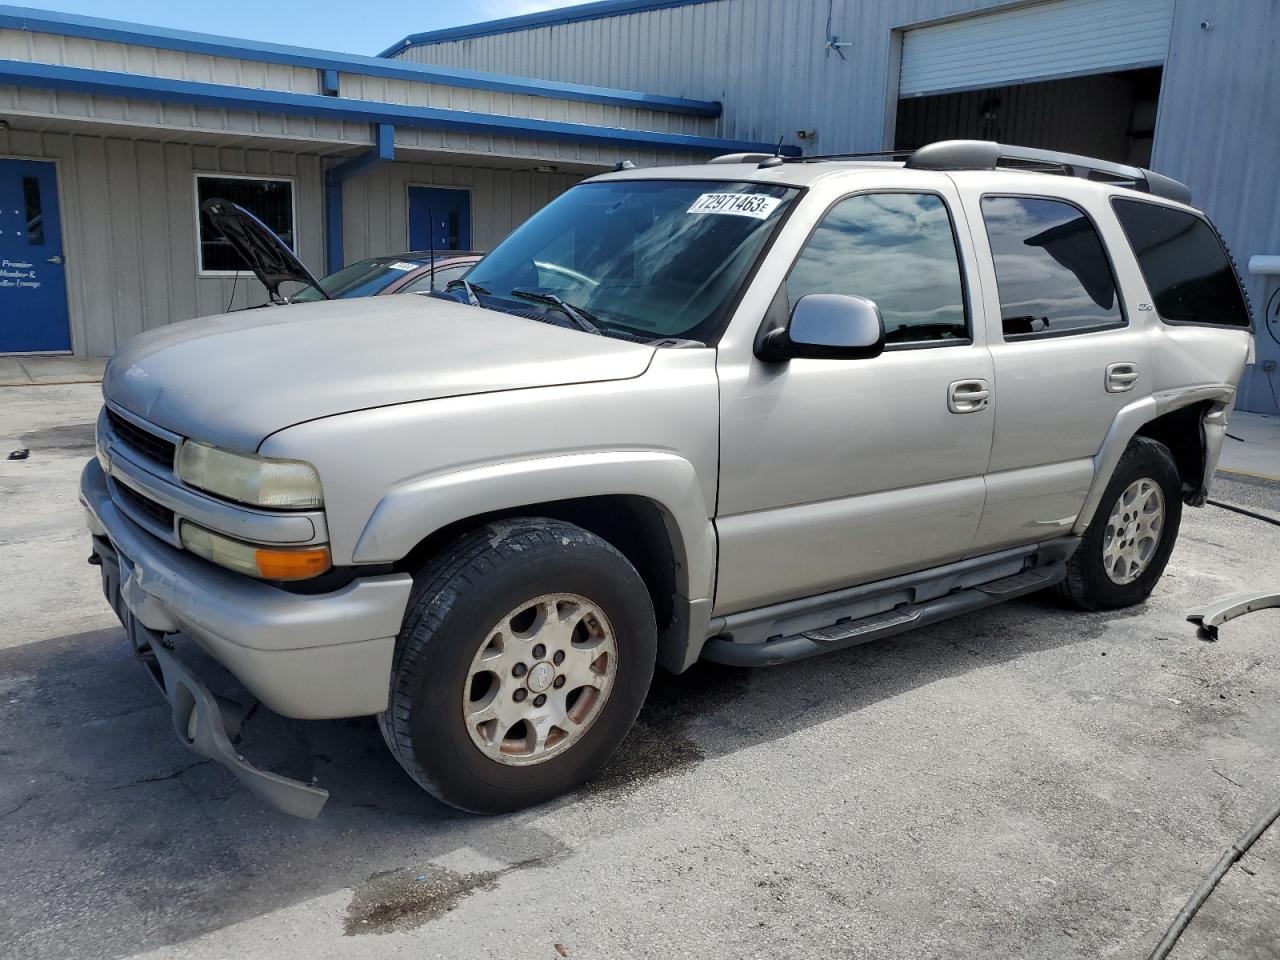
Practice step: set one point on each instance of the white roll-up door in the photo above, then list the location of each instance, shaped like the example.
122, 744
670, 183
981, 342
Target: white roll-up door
1061, 38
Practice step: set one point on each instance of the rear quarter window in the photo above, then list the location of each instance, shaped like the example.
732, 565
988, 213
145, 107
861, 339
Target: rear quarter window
1185, 265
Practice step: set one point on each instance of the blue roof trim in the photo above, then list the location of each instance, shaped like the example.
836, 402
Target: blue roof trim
45, 76
529, 21
95, 28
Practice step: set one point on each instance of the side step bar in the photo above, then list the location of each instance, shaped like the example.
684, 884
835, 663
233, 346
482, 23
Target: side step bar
848, 633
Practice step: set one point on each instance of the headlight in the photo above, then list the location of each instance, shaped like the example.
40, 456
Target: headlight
267, 563
246, 478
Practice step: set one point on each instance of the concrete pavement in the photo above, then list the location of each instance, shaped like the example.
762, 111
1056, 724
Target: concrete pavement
1252, 447
1024, 782
18, 371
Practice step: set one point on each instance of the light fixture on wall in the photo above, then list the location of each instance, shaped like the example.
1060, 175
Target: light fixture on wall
4, 125
545, 168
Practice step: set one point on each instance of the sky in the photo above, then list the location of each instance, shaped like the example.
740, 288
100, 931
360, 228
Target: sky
348, 26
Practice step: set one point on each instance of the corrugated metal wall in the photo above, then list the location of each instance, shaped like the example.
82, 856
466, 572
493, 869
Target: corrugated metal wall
129, 219
375, 208
126, 171
1061, 39
149, 61
146, 61
1219, 115
1218, 129
764, 59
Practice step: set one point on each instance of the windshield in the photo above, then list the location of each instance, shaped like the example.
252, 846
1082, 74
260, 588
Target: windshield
363, 279
648, 258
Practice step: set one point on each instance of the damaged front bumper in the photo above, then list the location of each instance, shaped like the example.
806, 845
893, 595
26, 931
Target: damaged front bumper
202, 720
306, 656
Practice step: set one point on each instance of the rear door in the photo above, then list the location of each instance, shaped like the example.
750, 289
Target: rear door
1067, 349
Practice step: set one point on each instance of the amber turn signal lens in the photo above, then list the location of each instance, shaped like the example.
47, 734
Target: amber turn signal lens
292, 564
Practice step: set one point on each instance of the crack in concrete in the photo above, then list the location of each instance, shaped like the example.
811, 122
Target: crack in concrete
168, 776
10, 812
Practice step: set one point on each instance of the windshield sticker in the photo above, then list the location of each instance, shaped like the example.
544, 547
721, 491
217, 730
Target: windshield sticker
401, 265
754, 205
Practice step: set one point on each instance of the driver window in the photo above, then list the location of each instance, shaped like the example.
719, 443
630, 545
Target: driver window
899, 250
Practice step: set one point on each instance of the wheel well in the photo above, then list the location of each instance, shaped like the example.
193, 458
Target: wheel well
636, 526
1182, 432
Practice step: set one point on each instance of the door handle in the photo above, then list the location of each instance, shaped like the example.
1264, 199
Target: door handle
968, 396
54, 259
1121, 377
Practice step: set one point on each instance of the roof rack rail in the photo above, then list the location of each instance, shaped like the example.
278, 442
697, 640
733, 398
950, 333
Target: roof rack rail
740, 158
866, 155
988, 155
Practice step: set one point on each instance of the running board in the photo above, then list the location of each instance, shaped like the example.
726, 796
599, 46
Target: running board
849, 633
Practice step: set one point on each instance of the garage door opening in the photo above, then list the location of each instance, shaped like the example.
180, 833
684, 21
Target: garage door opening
1111, 116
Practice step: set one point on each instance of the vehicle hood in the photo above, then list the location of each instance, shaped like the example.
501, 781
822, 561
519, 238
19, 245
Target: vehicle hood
237, 378
269, 257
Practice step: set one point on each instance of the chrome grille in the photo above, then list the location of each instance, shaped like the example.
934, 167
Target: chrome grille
156, 449
144, 505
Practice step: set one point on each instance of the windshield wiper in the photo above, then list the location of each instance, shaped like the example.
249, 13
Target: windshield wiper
471, 289
585, 320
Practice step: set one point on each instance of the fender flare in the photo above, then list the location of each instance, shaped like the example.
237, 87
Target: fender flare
1134, 416
416, 508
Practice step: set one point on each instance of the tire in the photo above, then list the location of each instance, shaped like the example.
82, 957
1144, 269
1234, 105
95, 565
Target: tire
1101, 580
461, 647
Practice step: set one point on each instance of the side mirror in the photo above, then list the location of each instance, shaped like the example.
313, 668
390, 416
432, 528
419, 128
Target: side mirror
827, 326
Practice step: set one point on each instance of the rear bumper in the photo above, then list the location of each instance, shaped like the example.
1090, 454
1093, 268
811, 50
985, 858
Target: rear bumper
304, 656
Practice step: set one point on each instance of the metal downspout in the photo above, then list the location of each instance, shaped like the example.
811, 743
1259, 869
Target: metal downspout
384, 149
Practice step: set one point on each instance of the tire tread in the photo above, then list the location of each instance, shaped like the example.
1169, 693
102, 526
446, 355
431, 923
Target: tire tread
1140, 456
456, 571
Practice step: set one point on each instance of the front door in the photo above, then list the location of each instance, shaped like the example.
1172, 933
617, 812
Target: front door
33, 278
838, 472
439, 218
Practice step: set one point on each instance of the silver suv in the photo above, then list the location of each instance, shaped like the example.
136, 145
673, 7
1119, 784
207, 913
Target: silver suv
749, 411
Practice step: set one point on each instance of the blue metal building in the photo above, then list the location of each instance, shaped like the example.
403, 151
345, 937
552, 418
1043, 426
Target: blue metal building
111, 132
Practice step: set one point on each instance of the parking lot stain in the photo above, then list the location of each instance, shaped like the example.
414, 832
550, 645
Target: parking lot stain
394, 900
67, 438
661, 742
402, 899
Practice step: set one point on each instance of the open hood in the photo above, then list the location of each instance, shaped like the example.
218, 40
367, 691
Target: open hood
268, 256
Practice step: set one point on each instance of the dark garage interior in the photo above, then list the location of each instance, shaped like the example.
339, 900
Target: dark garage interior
1107, 115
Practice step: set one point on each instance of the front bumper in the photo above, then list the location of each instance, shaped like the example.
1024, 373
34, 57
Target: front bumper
304, 656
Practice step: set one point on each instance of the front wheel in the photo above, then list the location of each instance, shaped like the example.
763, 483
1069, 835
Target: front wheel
1127, 544
525, 655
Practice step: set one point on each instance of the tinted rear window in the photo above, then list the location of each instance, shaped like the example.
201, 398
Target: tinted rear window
1051, 268
1184, 263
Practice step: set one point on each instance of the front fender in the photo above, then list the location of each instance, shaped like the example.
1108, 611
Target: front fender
418, 507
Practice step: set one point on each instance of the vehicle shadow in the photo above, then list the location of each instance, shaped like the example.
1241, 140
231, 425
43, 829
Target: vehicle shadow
120, 840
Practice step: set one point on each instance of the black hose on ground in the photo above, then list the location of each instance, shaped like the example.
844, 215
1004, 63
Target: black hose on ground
1202, 892
1243, 512
1237, 849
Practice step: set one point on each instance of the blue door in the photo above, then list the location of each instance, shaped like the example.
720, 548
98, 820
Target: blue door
33, 276
441, 214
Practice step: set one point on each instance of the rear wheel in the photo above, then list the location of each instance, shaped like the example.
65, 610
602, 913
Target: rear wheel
525, 655
1127, 545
